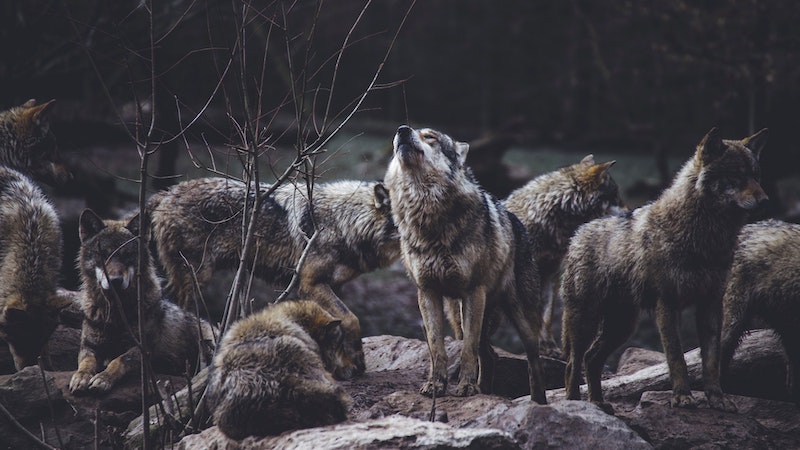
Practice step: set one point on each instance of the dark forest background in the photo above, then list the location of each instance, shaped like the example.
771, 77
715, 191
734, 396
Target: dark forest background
640, 76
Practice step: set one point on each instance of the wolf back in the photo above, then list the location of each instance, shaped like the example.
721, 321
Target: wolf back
30, 264
764, 283
271, 372
459, 242
664, 256
108, 263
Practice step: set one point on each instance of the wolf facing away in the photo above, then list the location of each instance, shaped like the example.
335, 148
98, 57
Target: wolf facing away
108, 262
30, 264
665, 256
552, 206
27, 145
197, 227
271, 373
458, 241
764, 283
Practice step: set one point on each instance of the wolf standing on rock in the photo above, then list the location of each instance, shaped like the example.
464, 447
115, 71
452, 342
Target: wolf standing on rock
108, 263
458, 241
552, 206
665, 256
197, 228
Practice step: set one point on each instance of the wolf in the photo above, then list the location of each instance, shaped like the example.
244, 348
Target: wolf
28, 145
552, 206
271, 373
108, 262
30, 264
764, 283
458, 241
197, 229
665, 256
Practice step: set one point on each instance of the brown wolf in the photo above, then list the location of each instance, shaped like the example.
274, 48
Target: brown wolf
30, 263
108, 262
271, 372
27, 145
664, 256
458, 241
199, 222
552, 206
764, 283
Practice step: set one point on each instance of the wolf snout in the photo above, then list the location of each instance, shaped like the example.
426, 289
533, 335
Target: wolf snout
404, 132
115, 275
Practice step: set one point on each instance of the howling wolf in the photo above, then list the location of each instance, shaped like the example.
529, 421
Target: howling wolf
665, 256
108, 262
458, 241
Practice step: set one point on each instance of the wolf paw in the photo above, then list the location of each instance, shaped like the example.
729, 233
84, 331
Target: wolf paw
433, 387
80, 382
466, 389
719, 402
683, 401
100, 383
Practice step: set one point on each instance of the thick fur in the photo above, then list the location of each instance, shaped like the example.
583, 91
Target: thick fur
30, 264
458, 241
108, 263
552, 206
27, 145
271, 372
764, 283
200, 222
665, 256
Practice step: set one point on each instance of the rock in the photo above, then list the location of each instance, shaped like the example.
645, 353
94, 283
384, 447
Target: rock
634, 359
667, 427
565, 424
394, 432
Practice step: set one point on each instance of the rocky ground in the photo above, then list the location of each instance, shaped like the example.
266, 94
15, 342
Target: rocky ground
388, 412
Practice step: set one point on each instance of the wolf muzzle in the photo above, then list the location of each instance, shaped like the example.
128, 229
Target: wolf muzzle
405, 142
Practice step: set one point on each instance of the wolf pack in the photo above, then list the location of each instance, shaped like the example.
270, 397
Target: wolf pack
564, 241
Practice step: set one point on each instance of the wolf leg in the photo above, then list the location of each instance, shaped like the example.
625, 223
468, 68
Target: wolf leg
116, 369
667, 319
87, 367
526, 321
709, 318
618, 324
549, 298
472, 323
431, 308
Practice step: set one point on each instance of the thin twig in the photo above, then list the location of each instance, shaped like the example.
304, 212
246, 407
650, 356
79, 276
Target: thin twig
50, 405
298, 268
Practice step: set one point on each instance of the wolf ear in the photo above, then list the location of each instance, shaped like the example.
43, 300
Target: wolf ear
37, 114
598, 171
587, 160
133, 225
381, 197
89, 224
333, 330
461, 150
756, 142
711, 146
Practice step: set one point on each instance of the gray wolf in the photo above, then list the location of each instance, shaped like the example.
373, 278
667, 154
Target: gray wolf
197, 229
664, 256
108, 262
552, 206
30, 264
764, 283
458, 241
27, 145
271, 373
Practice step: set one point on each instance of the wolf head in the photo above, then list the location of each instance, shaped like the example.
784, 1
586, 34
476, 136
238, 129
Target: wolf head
428, 151
730, 170
28, 145
109, 250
